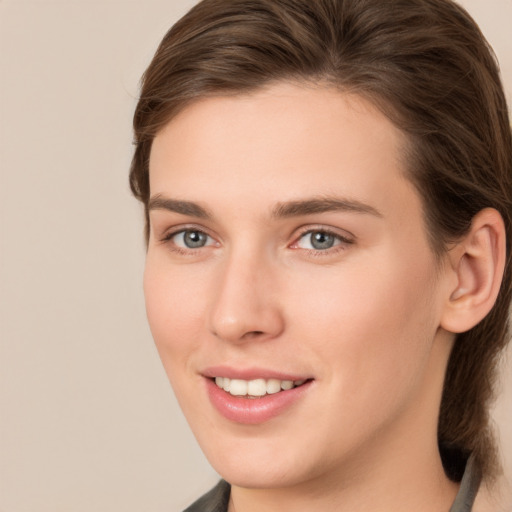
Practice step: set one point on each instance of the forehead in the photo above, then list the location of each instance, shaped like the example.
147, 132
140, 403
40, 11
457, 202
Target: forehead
278, 144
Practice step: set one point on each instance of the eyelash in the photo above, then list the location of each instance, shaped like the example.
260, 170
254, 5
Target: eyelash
341, 245
167, 239
341, 241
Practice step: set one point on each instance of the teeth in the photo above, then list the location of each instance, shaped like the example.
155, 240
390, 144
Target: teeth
273, 386
287, 384
238, 387
256, 387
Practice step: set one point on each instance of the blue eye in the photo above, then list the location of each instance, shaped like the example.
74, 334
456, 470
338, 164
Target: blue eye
191, 239
320, 240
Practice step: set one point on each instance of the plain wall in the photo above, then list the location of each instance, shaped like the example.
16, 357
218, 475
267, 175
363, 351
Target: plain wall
88, 422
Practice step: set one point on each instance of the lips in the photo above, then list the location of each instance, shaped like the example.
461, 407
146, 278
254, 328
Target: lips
251, 373
253, 396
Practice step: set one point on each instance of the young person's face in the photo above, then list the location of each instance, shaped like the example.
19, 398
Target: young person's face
287, 245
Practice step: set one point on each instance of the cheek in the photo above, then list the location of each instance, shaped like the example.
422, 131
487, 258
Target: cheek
175, 311
176, 315
371, 330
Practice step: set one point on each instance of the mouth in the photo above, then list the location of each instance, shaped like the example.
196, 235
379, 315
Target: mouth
256, 399
256, 388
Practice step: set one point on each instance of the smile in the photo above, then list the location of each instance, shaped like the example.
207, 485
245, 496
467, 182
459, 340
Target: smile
256, 388
256, 399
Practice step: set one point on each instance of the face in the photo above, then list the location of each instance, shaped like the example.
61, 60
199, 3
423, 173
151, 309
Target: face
288, 263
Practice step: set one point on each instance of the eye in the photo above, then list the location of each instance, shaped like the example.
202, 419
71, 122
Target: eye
320, 240
190, 239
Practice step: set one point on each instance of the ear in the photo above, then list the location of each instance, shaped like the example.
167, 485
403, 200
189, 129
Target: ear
478, 261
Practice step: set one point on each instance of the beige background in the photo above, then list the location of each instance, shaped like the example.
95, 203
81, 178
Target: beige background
88, 422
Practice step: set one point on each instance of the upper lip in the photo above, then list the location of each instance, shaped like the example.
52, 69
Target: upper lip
251, 373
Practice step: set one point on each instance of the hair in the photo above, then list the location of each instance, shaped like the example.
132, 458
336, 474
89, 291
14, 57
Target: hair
426, 65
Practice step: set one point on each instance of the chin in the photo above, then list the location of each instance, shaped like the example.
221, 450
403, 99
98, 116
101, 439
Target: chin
256, 476
265, 467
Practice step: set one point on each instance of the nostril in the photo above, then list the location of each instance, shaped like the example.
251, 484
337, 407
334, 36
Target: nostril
253, 334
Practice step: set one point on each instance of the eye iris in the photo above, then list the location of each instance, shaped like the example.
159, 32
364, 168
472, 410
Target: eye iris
322, 240
194, 239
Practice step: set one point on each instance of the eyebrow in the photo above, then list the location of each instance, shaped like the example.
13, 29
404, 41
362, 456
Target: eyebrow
281, 210
188, 208
322, 205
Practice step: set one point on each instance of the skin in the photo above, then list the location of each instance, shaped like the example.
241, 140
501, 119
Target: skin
363, 318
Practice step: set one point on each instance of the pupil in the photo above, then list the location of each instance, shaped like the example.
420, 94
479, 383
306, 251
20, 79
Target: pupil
194, 239
320, 240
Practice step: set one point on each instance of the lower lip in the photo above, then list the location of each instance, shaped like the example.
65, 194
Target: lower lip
251, 411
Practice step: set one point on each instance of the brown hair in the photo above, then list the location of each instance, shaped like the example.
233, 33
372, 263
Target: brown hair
427, 66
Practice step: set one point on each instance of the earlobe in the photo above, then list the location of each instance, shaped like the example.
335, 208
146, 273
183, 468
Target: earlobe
478, 261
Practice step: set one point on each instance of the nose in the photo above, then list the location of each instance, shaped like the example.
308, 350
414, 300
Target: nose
246, 301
